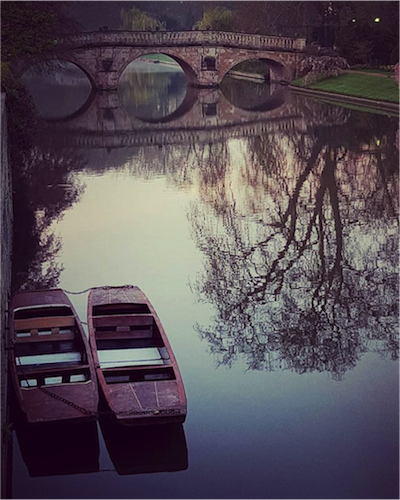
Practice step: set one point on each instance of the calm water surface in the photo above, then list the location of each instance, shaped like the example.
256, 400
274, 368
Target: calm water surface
263, 226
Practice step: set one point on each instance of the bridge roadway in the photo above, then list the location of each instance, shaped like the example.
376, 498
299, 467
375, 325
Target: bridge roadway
205, 56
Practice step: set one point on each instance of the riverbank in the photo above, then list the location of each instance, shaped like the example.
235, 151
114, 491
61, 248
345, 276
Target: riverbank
358, 89
362, 85
252, 77
5, 287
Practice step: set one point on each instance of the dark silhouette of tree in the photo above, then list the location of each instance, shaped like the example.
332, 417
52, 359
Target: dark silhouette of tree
31, 29
276, 18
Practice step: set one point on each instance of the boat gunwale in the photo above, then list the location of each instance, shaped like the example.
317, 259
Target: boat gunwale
90, 385
39, 306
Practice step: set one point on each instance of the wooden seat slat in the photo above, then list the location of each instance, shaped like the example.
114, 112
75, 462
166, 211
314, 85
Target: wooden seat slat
34, 370
46, 338
47, 322
119, 335
134, 368
125, 320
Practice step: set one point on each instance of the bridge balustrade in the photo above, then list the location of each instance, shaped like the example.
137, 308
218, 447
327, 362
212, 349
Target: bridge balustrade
176, 38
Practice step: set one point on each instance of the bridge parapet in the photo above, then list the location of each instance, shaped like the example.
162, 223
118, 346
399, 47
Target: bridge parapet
181, 38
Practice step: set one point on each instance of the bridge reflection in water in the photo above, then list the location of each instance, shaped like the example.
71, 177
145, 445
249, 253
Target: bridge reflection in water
204, 116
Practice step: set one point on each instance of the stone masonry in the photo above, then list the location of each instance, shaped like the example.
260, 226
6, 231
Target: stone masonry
205, 56
5, 278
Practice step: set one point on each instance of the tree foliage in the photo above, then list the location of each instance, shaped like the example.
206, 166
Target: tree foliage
276, 18
138, 20
32, 28
368, 32
218, 18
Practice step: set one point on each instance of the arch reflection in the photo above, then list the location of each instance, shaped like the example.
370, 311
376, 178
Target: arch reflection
153, 88
252, 96
60, 90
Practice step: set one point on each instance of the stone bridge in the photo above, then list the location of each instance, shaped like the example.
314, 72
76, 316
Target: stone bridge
205, 56
204, 116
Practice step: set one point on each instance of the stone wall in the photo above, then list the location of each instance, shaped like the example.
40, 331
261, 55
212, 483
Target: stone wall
5, 285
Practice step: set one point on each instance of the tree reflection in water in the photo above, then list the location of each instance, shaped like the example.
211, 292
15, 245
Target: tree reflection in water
149, 93
44, 188
301, 260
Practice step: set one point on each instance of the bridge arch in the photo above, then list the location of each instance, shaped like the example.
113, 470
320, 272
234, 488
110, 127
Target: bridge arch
280, 71
190, 73
122, 60
189, 96
59, 58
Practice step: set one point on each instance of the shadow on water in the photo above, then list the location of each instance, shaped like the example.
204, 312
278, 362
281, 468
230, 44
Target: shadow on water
59, 449
140, 450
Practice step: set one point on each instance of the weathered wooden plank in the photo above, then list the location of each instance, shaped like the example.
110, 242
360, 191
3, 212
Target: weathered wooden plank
117, 296
39, 371
46, 338
47, 322
119, 335
134, 368
125, 320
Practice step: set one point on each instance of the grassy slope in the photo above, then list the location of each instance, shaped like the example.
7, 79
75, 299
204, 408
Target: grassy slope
159, 57
368, 87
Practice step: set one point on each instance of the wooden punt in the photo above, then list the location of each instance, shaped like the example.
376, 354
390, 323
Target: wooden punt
50, 361
136, 368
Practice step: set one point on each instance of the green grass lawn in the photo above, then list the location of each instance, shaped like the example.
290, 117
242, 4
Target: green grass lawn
159, 57
360, 67
368, 87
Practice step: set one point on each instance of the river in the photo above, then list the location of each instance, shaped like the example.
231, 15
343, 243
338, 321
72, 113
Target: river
263, 226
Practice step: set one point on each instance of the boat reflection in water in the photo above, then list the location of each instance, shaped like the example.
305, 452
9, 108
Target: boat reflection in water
59, 449
142, 449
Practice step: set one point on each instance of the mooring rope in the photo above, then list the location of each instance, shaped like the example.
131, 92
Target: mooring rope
105, 287
77, 293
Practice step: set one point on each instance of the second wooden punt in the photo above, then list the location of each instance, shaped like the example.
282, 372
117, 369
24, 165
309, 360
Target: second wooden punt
136, 368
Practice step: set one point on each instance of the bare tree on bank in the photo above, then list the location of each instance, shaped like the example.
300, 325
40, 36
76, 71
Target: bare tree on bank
272, 17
